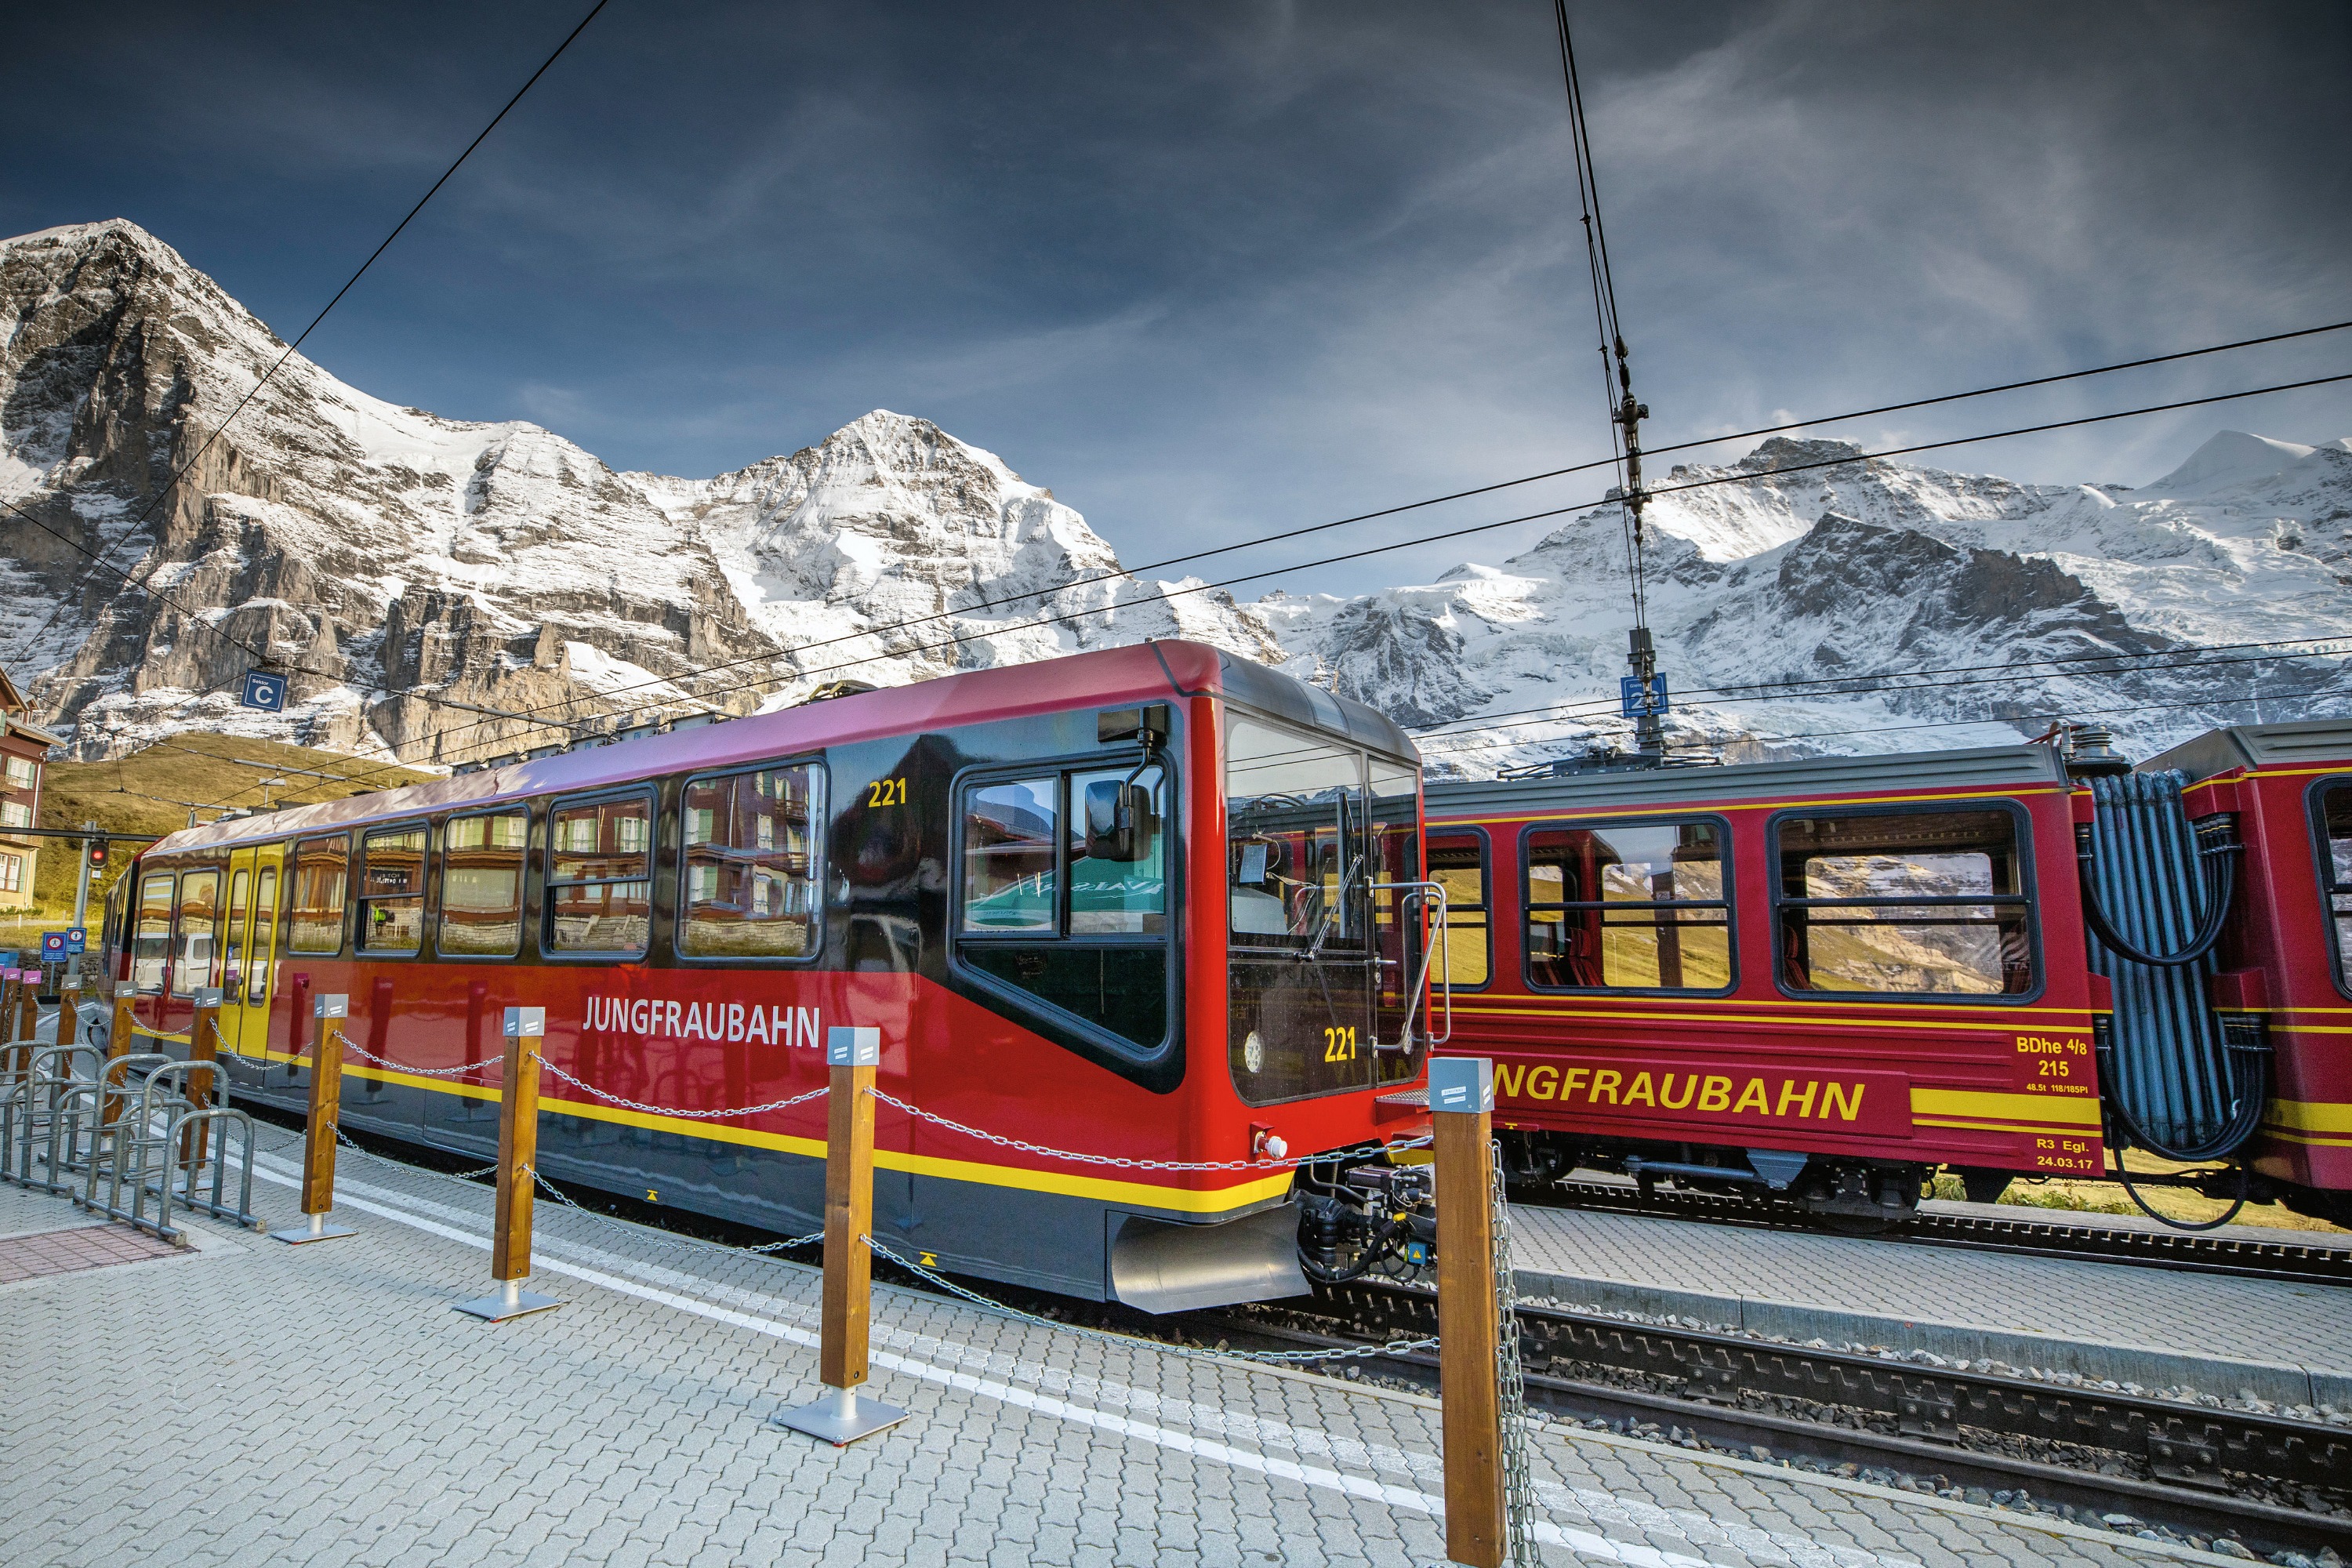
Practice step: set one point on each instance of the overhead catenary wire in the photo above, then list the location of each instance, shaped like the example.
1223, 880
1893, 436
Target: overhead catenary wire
169, 486
1068, 616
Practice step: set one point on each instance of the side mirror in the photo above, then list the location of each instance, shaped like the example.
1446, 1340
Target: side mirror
1119, 821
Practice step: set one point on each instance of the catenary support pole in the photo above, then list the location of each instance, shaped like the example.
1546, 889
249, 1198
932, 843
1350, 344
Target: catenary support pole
1462, 1104
319, 1133
518, 1152
842, 1416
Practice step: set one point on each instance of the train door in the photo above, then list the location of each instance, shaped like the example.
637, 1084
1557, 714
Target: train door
250, 949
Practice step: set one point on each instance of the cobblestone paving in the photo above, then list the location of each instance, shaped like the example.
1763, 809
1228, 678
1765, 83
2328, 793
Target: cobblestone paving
2205, 1314
261, 1403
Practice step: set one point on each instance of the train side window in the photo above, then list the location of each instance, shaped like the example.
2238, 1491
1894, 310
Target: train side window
1904, 903
2333, 821
150, 938
195, 934
391, 890
1011, 867
600, 875
481, 885
1061, 903
260, 962
1627, 907
240, 891
321, 867
1458, 862
750, 869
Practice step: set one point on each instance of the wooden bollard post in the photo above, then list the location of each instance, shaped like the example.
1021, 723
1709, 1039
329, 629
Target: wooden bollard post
841, 1416
203, 1045
120, 1031
70, 1009
319, 1133
518, 1151
1462, 1104
29, 1007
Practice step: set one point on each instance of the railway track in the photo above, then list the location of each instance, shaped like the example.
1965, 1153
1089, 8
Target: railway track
2273, 1482
2302, 1263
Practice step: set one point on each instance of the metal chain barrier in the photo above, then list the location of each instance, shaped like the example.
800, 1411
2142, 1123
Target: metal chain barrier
458, 1071
764, 1248
1285, 1358
785, 1104
1518, 1473
1138, 1163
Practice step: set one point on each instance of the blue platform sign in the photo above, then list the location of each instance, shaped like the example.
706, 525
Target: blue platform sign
265, 691
53, 947
1636, 702
8, 960
76, 940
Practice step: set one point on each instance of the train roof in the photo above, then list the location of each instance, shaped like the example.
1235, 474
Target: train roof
1988, 767
1142, 672
2306, 741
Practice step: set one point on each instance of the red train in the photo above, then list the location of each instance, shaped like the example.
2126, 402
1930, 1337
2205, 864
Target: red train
1826, 979
1151, 902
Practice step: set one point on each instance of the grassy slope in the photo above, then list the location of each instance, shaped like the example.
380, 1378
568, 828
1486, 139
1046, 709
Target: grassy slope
143, 793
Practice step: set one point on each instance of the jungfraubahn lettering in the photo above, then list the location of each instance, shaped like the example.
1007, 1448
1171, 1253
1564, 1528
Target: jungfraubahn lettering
660, 1017
1711, 1092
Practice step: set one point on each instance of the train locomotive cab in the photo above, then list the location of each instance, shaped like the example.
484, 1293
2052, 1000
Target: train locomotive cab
1135, 925
1813, 981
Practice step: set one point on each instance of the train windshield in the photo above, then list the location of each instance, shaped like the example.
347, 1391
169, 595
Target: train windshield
1323, 948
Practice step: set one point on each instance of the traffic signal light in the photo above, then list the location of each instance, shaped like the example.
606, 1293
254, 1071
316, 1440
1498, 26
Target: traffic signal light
97, 856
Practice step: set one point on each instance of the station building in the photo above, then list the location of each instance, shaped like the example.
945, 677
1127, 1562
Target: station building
23, 746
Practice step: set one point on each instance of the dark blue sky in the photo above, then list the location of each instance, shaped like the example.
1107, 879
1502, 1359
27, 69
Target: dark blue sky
1213, 269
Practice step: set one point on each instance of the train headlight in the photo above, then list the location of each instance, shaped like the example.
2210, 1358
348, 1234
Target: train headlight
1253, 1052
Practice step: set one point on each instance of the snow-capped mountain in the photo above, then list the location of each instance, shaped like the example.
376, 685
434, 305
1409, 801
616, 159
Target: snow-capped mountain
410, 569
389, 556
1780, 586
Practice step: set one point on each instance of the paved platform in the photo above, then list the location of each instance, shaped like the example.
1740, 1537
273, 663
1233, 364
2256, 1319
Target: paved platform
2286, 1342
260, 1404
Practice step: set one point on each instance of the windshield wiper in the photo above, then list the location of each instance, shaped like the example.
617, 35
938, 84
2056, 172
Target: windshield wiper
1338, 900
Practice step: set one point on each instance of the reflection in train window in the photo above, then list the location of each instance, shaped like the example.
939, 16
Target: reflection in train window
1010, 864
1065, 894
481, 884
749, 865
317, 895
262, 958
391, 890
1904, 903
150, 939
1457, 863
1634, 907
600, 875
195, 934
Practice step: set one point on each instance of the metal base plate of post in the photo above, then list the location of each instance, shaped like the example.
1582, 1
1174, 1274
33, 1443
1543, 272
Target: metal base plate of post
321, 1228
511, 1301
841, 1418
